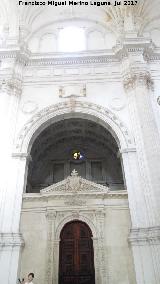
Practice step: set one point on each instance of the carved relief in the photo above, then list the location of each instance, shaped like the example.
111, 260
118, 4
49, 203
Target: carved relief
95, 220
75, 90
132, 80
75, 201
75, 184
36, 121
12, 86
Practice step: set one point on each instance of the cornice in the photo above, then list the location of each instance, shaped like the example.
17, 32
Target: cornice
121, 50
119, 194
155, 56
72, 60
22, 54
134, 46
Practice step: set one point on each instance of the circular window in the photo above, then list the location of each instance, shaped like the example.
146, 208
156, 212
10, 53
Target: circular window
77, 155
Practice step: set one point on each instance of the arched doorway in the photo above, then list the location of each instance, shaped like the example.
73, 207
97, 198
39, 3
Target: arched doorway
76, 256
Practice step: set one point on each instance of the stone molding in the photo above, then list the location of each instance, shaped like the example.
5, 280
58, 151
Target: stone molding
95, 220
53, 112
145, 236
21, 156
74, 184
31, 197
85, 59
22, 54
138, 45
76, 90
132, 45
11, 240
75, 201
87, 216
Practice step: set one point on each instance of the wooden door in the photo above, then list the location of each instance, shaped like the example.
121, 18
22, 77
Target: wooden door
76, 259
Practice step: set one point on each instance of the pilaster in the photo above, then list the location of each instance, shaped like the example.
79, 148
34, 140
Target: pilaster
50, 251
12, 171
142, 167
10, 244
138, 86
11, 89
100, 217
146, 249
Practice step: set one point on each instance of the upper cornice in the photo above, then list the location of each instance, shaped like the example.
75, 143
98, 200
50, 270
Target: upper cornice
121, 50
22, 54
138, 45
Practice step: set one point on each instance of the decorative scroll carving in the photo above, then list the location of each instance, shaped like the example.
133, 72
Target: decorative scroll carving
75, 183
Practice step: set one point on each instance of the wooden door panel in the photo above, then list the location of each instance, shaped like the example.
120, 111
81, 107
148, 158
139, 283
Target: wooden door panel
68, 263
76, 259
86, 280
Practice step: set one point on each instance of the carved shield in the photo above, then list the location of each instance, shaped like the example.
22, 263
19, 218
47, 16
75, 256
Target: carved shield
74, 183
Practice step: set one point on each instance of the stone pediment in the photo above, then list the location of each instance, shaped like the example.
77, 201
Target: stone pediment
75, 184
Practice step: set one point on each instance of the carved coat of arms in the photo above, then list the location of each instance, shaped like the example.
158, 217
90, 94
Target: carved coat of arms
73, 183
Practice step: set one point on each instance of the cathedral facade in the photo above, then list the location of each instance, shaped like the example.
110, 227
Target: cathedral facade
80, 142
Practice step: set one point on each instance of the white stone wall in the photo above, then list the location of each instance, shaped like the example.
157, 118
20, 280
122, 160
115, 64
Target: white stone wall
114, 82
118, 264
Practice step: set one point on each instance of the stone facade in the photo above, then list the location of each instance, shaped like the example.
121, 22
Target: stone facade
44, 214
114, 83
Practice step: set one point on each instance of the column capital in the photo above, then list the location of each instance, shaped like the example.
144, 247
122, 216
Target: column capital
132, 79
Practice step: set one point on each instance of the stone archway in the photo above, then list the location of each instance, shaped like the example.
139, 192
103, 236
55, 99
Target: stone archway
94, 113
61, 111
56, 221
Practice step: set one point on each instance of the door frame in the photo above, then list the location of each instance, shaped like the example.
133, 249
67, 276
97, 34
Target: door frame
89, 238
56, 222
